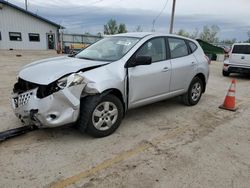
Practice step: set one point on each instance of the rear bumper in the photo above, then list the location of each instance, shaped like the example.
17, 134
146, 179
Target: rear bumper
232, 68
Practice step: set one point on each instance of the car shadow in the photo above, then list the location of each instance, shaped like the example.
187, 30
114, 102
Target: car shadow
67, 131
155, 108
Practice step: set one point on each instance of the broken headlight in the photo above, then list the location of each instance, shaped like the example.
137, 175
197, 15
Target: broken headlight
71, 80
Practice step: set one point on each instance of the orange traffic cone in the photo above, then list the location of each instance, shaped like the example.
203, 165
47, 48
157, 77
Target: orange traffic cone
229, 103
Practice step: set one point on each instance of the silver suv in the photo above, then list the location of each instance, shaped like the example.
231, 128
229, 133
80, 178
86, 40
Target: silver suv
97, 86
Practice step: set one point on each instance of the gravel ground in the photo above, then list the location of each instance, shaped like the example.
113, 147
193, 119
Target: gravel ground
161, 145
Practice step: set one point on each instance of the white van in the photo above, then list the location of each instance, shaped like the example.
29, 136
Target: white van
239, 60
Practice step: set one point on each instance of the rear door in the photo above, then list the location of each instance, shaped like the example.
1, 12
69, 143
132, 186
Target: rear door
184, 64
240, 54
148, 83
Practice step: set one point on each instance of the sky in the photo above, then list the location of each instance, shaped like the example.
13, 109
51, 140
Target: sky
80, 16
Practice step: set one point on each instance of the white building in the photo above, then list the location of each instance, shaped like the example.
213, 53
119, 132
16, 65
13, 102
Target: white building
21, 29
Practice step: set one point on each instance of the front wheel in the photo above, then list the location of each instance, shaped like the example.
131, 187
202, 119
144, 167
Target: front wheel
100, 115
193, 95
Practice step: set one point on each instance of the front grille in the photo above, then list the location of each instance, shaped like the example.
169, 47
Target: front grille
22, 99
43, 91
22, 86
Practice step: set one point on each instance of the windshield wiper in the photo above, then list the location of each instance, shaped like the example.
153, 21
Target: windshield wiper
71, 55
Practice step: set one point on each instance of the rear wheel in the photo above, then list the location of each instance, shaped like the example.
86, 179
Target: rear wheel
193, 95
100, 115
225, 73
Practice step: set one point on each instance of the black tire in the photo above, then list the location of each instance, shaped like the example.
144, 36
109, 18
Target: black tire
88, 105
225, 73
187, 98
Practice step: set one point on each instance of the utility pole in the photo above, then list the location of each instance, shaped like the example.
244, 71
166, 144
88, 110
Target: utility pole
172, 18
26, 5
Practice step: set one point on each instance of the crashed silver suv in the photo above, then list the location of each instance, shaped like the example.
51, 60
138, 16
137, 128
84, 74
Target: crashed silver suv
97, 86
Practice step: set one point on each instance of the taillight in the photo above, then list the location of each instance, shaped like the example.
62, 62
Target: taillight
208, 60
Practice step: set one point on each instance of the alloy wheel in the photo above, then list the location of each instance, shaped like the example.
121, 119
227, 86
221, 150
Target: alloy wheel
104, 116
196, 91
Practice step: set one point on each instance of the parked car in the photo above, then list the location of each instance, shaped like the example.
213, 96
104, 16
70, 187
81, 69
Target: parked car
239, 59
96, 87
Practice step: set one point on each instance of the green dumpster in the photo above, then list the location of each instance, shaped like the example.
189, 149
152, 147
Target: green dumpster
210, 50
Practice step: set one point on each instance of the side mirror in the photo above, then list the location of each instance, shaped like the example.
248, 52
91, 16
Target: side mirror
140, 60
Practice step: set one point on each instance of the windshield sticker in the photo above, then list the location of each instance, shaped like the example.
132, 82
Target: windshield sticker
125, 43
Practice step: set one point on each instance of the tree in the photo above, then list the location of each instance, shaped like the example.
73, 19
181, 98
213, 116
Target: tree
138, 29
112, 28
195, 34
183, 33
228, 41
99, 34
122, 28
209, 34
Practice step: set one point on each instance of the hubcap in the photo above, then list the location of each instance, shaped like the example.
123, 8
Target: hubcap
196, 91
104, 116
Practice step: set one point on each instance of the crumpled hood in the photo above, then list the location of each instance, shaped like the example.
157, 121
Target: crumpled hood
49, 70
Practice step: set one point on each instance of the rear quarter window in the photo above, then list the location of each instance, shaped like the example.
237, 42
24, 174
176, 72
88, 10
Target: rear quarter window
241, 49
193, 46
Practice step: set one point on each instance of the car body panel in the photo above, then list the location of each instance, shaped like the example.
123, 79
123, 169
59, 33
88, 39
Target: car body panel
148, 81
55, 110
183, 71
103, 78
236, 68
46, 71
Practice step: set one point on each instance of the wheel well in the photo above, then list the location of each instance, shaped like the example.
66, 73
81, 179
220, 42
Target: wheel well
203, 79
118, 94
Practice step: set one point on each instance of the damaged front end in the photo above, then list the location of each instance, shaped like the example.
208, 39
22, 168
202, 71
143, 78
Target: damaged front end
50, 105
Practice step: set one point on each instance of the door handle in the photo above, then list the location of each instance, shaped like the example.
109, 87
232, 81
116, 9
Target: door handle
165, 69
243, 57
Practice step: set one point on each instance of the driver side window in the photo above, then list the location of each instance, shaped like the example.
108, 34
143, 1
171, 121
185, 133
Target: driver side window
155, 48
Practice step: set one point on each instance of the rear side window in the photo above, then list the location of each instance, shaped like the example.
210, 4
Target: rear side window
178, 47
241, 49
193, 46
155, 48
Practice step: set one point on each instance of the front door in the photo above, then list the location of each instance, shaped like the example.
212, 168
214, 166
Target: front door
148, 83
51, 41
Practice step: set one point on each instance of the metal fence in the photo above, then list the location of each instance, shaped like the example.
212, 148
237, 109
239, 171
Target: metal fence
68, 41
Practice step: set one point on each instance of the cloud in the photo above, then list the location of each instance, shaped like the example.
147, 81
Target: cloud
90, 16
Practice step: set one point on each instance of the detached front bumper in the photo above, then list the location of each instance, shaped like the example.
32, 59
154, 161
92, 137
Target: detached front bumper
59, 108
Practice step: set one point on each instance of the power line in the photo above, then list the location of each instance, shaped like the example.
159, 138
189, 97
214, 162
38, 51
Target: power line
155, 19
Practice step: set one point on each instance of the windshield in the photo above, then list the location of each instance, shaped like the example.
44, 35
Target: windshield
108, 49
